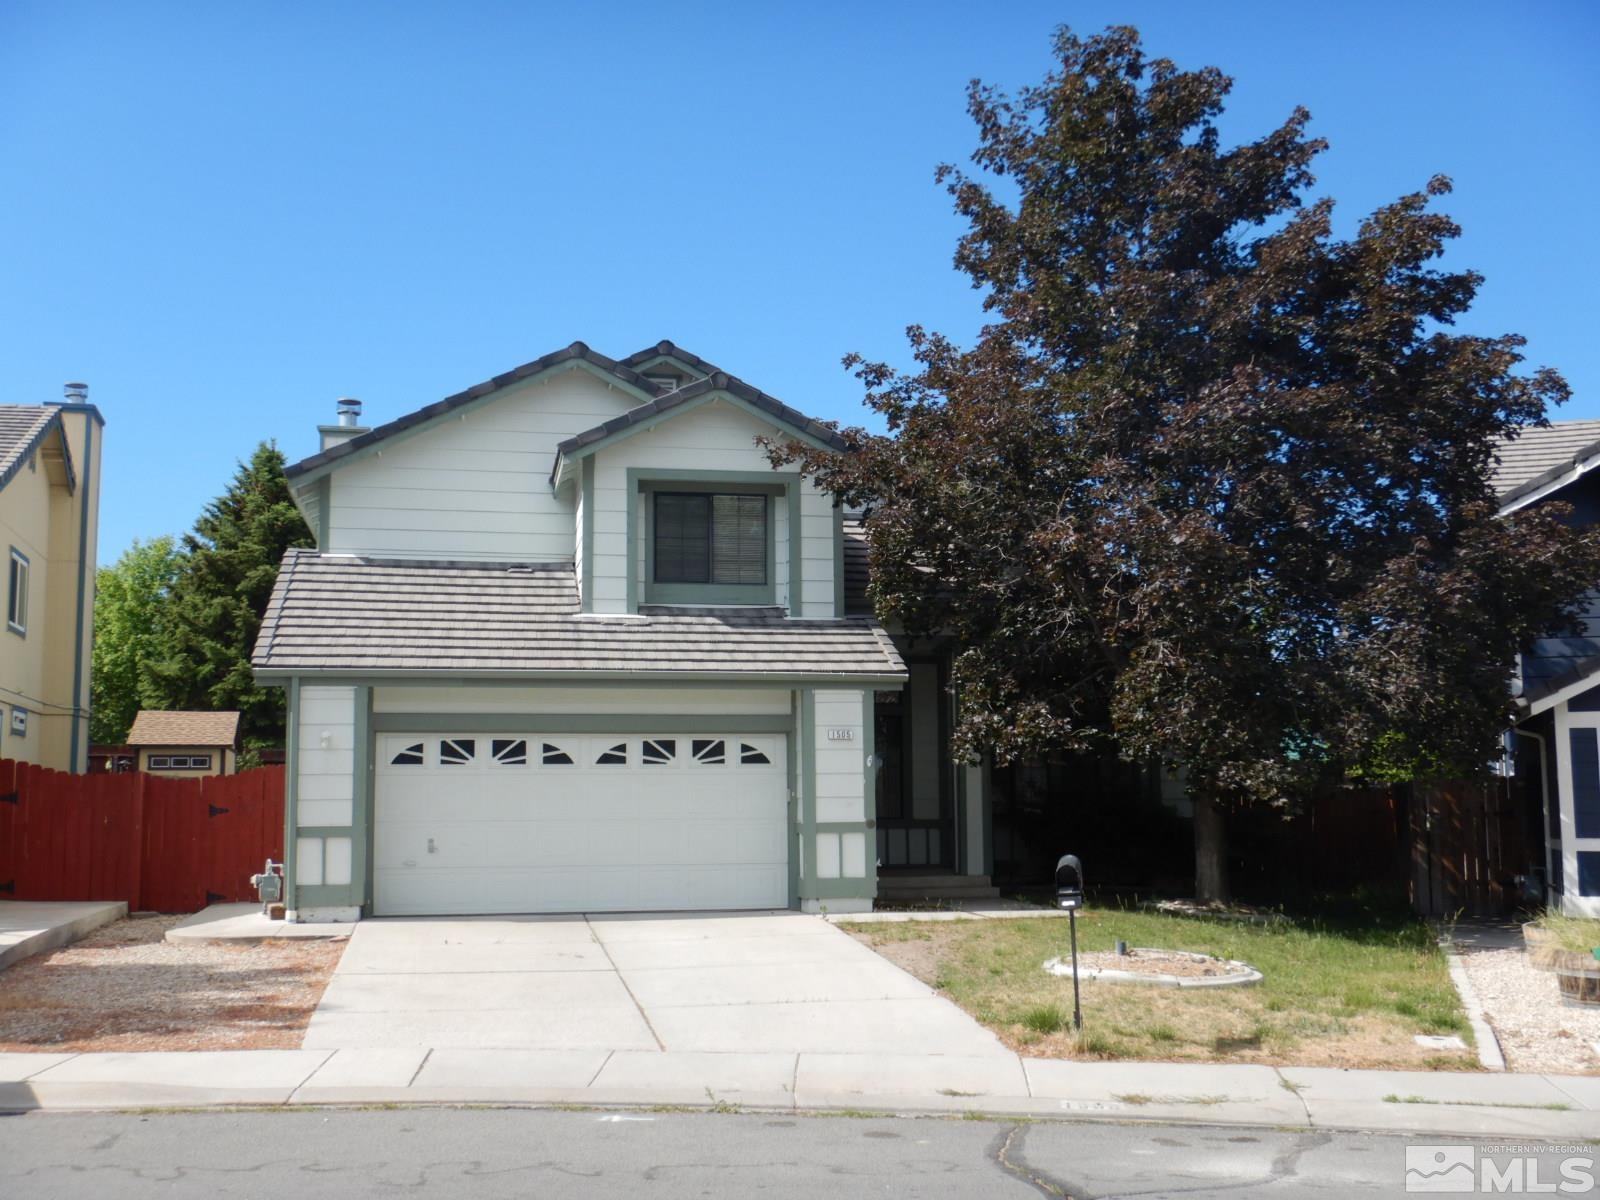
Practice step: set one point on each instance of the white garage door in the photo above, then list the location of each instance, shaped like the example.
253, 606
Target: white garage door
500, 823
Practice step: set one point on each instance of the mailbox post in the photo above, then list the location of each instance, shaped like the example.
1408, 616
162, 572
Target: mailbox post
1069, 896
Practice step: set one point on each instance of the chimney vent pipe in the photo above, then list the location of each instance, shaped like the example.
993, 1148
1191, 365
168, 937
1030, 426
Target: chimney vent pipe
349, 411
75, 393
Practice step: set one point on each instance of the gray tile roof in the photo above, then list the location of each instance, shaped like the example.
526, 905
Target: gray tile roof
344, 614
1537, 455
22, 428
665, 349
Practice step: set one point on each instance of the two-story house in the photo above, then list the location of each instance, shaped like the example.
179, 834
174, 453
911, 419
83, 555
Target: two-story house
1556, 741
569, 642
49, 514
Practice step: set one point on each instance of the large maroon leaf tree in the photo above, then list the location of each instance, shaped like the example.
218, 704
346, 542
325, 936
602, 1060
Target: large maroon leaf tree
1212, 487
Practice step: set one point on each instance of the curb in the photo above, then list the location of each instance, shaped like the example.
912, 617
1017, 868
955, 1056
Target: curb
1490, 1056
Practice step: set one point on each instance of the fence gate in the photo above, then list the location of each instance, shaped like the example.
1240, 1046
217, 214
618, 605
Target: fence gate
1466, 848
168, 845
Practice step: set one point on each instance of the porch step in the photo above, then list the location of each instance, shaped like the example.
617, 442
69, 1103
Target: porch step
936, 887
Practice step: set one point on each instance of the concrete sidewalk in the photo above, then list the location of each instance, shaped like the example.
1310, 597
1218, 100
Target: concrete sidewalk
29, 927
1498, 1106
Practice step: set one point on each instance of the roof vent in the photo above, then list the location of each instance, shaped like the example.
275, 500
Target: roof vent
75, 393
349, 411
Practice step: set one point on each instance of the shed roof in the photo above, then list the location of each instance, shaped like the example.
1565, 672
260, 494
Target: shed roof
339, 613
154, 727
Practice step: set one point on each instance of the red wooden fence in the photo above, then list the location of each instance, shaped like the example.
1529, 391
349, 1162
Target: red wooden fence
167, 845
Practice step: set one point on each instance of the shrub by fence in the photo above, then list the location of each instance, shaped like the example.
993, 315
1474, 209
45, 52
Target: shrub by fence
168, 845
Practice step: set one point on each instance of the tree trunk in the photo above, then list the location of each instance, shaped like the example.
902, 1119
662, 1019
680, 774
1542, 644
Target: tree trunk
1210, 851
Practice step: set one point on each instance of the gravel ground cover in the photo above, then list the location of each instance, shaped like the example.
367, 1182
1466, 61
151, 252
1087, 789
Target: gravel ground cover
124, 988
1535, 1030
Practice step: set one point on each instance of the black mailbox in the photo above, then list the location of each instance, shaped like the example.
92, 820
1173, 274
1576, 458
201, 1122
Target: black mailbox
1069, 882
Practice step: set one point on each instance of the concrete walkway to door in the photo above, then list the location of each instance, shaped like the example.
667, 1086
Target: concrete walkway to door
709, 983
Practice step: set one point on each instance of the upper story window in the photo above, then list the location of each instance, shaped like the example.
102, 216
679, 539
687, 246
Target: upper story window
711, 538
17, 594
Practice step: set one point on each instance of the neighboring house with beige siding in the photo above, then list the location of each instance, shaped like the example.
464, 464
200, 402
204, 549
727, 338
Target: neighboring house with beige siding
49, 516
185, 744
569, 642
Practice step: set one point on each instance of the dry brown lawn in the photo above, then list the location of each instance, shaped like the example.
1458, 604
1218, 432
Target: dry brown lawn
124, 988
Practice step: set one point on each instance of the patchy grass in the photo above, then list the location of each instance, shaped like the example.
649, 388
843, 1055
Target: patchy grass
1349, 992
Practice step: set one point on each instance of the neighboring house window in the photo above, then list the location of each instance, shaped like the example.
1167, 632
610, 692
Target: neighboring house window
17, 596
709, 537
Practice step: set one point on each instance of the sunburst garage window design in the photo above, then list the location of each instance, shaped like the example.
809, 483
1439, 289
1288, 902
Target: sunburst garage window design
751, 757
554, 756
510, 752
659, 751
456, 752
411, 756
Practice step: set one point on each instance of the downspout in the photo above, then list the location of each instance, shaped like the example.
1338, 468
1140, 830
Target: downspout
83, 571
1544, 806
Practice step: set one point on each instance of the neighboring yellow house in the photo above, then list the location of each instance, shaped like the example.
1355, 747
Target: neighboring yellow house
186, 744
49, 519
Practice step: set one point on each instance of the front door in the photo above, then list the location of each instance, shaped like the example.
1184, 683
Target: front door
915, 804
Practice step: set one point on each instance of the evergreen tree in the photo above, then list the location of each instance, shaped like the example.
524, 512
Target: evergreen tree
131, 604
230, 563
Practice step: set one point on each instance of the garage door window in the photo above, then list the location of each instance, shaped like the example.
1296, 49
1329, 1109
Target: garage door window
709, 751
617, 756
457, 752
411, 756
659, 752
510, 752
555, 756
751, 757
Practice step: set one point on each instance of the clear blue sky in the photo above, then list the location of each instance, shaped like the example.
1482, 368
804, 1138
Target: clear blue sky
223, 216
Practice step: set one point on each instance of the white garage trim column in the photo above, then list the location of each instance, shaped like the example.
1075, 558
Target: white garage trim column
837, 843
328, 809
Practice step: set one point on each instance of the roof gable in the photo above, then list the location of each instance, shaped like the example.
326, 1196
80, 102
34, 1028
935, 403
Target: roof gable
667, 354
23, 429
687, 399
577, 356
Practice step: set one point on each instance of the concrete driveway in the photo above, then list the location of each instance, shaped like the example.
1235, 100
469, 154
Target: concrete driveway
727, 982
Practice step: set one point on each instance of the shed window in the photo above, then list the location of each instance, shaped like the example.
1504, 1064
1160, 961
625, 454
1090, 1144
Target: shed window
709, 537
17, 594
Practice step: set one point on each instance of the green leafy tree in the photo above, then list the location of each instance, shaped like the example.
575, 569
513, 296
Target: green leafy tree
130, 634
1212, 487
230, 563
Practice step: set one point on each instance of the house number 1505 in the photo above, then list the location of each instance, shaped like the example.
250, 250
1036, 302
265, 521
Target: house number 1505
841, 735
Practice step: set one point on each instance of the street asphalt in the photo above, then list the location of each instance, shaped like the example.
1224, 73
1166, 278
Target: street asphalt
489, 1153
